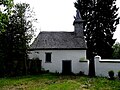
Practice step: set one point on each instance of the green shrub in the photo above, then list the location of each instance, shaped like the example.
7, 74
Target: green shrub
34, 66
111, 74
81, 73
119, 74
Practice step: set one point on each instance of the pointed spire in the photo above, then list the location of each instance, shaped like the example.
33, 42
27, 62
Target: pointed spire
78, 18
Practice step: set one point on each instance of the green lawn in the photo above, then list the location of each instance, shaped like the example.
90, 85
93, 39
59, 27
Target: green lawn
55, 82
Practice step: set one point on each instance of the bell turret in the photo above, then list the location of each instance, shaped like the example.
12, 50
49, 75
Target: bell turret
78, 24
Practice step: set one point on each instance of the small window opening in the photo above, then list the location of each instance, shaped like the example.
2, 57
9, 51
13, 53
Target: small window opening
48, 57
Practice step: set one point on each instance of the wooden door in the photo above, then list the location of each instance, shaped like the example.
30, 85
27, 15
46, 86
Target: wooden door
66, 66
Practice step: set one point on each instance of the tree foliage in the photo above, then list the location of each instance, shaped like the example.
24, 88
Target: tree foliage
101, 21
14, 39
19, 33
5, 12
116, 49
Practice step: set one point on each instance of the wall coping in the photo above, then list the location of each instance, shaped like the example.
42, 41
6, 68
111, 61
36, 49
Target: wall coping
106, 60
110, 60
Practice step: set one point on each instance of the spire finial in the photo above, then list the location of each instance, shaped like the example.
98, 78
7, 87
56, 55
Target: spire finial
78, 16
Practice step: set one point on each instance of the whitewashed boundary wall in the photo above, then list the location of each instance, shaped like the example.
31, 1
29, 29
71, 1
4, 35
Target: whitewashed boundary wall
84, 66
103, 66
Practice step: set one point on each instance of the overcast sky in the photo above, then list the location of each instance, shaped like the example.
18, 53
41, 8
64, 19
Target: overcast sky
57, 15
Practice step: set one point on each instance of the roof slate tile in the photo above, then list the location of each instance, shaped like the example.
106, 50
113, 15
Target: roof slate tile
58, 40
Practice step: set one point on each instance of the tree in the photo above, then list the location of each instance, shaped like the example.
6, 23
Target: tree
116, 49
16, 31
101, 20
5, 12
18, 35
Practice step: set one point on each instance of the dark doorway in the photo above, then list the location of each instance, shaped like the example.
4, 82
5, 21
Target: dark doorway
66, 67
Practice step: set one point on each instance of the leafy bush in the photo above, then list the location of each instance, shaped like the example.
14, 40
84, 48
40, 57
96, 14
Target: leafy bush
81, 73
82, 58
116, 51
34, 66
111, 74
119, 74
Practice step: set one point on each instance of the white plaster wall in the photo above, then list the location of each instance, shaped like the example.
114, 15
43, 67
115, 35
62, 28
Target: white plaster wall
103, 66
84, 66
56, 60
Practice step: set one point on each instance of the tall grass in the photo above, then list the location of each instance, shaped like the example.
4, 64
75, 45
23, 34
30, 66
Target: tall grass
56, 82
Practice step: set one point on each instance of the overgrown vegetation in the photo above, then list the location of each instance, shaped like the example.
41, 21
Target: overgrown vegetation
116, 50
111, 74
34, 66
5, 12
16, 31
58, 82
119, 74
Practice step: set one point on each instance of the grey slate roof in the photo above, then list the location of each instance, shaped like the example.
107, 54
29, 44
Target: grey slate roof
58, 40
